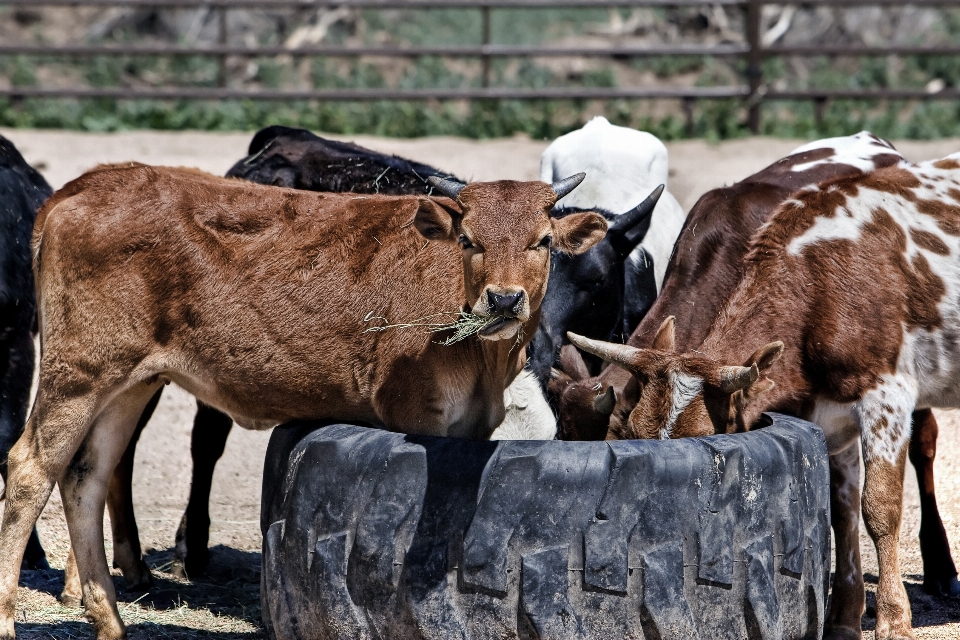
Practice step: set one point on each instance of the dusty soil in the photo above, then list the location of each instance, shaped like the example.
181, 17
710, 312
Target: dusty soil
224, 603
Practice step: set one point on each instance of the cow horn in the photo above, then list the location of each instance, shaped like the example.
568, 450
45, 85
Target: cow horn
605, 404
449, 188
565, 186
628, 229
734, 379
617, 353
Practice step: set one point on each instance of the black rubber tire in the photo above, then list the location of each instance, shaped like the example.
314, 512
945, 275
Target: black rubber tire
371, 534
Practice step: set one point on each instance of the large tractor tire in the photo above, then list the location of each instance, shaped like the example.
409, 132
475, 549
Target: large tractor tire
371, 534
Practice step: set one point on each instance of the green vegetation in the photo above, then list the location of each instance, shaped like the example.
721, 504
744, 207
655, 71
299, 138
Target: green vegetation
714, 120
490, 118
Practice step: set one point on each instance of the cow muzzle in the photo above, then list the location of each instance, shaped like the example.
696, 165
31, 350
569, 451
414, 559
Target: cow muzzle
510, 307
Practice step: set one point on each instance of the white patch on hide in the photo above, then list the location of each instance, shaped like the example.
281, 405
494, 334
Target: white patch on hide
857, 150
684, 389
885, 414
842, 224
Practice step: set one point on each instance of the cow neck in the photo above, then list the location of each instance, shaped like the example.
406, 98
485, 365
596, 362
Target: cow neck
764, 308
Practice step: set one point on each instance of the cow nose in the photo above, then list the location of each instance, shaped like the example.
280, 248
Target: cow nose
505, 305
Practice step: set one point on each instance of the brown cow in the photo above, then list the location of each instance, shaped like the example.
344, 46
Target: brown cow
253, 299
859, 278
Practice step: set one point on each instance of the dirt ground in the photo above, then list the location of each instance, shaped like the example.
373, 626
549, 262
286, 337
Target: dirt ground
224, 603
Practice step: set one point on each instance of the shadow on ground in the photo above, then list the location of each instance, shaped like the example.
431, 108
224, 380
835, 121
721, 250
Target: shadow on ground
145, 631
223, 603
928, 611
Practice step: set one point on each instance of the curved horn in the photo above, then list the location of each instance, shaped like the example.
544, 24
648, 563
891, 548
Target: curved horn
605, 404
449, 188
734, 379
617, 353
628, 229
565, 186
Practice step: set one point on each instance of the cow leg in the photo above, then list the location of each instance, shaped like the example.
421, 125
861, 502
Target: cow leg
210, 430
84, 490
885, 433
939, 571
52, 435
847, 599
14, 401
72, 594
127, 555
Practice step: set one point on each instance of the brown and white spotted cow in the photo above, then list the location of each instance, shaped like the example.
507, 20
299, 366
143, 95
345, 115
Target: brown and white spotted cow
705, 269
847, 315
253, 299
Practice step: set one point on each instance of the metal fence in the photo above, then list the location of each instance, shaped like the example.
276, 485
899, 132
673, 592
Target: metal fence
753, 90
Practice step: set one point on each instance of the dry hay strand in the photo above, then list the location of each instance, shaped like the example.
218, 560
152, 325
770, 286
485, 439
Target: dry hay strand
465, 325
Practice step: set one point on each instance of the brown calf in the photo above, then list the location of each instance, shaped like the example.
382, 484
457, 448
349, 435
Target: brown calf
859, 278
253, 299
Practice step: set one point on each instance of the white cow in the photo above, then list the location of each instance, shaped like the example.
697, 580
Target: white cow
529, 417
623, 166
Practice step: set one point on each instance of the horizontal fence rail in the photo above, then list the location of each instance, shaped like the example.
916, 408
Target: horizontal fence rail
752, 51
555, 93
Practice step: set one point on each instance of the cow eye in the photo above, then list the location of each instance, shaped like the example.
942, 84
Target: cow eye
544, 243
465, 242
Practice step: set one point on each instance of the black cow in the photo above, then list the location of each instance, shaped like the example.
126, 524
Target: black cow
22, 191
298, 159
586, 292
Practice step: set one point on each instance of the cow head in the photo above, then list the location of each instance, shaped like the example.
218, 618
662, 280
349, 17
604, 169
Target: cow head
584, 403
585, 292
681, 396
506, 234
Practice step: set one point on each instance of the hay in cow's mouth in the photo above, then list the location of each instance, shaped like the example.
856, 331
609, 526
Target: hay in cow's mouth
465, 325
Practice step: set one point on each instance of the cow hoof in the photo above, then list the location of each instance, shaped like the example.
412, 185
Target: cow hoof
6, 629
841, 633
70, 600
899, 631
178, 569
139, 580
108, 631
943, 588
193, 565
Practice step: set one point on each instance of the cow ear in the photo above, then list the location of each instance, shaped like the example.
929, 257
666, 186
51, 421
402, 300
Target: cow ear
438, 219
571, 362
578, 232
559, 380
765, 356
605, 403
665, 340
